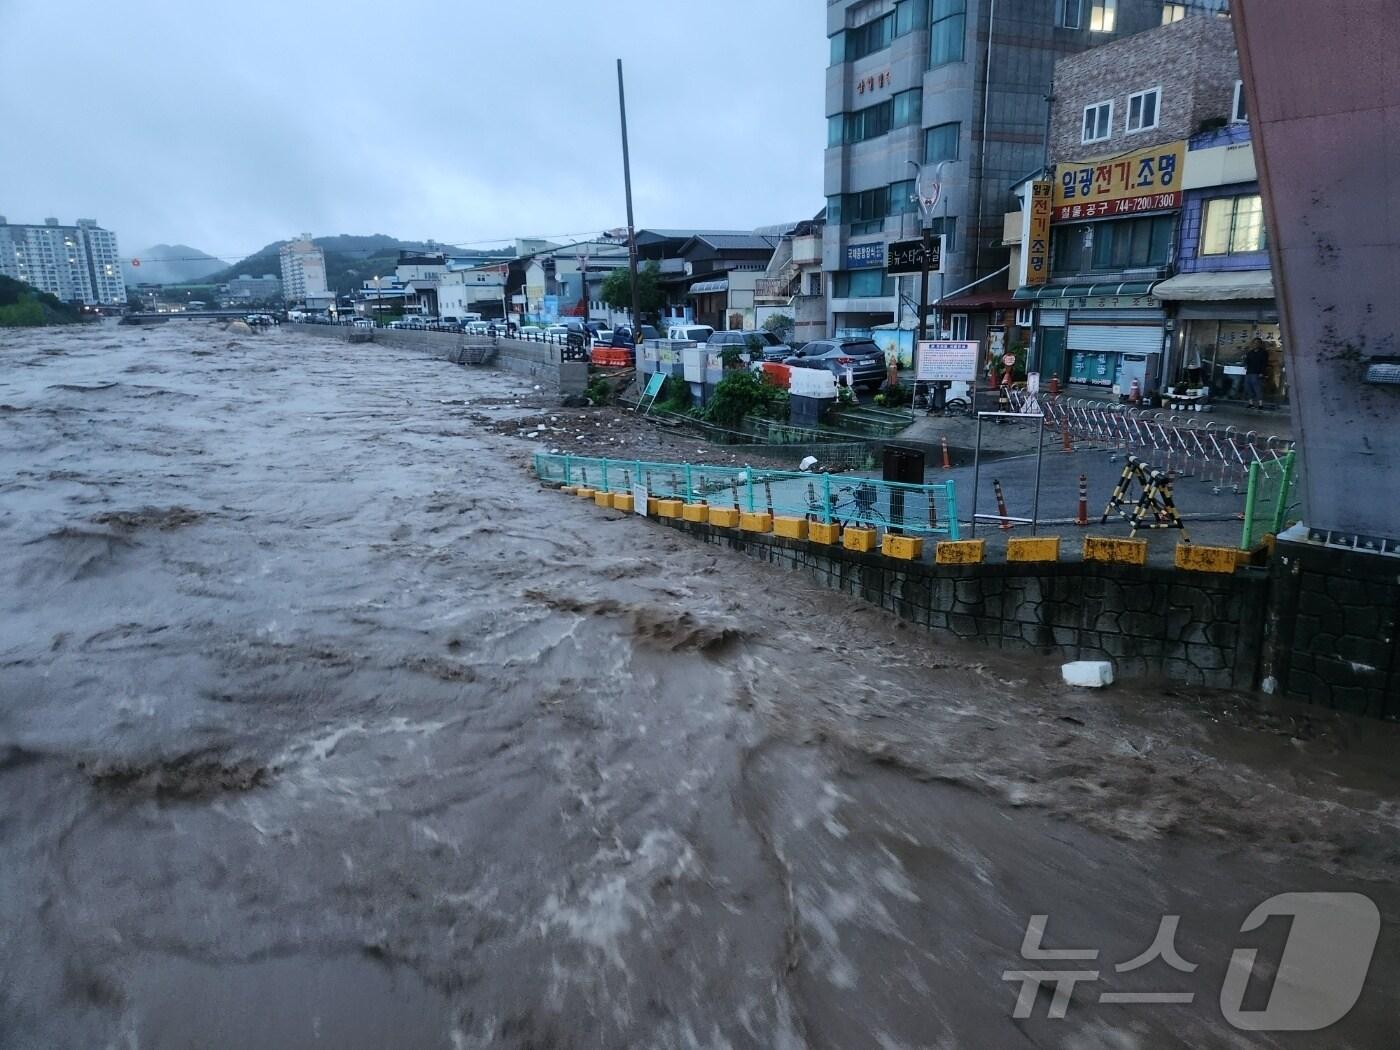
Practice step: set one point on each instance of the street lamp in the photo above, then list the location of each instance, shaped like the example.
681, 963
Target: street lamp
378, 302
927, 194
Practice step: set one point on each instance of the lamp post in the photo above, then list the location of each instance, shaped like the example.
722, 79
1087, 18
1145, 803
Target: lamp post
927, 194
378, 302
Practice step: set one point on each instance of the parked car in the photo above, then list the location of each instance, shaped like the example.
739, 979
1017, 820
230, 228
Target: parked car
757, 345
622, 336
861, 357
699, 333
557, 331
363, 322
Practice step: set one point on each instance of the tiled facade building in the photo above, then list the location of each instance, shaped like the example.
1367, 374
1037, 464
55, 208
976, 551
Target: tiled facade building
78, 264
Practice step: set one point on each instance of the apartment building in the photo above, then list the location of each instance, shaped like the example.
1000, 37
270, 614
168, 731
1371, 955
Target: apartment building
957, 83
303, 270
77, 263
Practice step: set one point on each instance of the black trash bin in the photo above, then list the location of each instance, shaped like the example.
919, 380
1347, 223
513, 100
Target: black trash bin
905, 465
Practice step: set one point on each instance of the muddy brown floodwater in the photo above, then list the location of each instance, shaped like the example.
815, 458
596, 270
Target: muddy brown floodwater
322, 725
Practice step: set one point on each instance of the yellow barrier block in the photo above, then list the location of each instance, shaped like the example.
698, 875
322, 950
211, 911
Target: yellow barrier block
910, 548
584, 492
1206, 559
669, 508
1033, 548
858, 538
567, 490
792, 528
624, 501
724, 517
819, 532
603, 499
1123, 552
756, 521
696, 512
652, 501
960, 552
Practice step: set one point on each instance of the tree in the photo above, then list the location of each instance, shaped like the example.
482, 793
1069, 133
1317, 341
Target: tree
778, 323
617, 289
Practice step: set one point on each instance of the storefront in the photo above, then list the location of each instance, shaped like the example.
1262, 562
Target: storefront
1101, 335
1217, 318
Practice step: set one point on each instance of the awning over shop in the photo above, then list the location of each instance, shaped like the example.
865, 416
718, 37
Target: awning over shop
997, 299
1234, 284
1082, 291
702, 287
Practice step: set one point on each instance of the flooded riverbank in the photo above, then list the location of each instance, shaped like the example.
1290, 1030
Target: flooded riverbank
322, 724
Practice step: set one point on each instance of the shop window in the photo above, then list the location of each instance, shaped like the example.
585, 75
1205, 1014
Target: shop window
947, 28
1070, 12
861, 284
941, 143
1234, 225
1098, 121
1103, 16
1142, 110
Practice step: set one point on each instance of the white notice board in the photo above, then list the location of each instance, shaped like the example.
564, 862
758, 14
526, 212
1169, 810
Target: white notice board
951, 360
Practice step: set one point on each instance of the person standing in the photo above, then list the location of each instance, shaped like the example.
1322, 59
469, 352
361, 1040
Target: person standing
1256, 365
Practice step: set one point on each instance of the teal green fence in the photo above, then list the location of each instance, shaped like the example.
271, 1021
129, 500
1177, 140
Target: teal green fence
919, 510
1270, 500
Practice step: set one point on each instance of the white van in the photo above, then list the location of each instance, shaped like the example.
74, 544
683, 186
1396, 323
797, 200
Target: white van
699, 333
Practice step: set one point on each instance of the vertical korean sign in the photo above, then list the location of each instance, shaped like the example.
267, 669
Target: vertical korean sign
1038, 241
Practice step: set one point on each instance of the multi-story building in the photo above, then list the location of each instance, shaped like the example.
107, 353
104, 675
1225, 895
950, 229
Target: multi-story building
247, 288
793, 285
957, 83
303, 270
76, 263
1121, 119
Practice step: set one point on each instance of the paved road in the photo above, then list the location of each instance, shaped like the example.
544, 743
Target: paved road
321, 724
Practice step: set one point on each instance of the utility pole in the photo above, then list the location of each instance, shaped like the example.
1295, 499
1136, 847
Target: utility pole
631, 229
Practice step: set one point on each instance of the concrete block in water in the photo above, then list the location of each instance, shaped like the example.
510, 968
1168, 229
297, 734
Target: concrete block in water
1090, 674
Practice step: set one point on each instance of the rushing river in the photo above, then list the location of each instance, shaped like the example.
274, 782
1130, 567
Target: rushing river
321, 724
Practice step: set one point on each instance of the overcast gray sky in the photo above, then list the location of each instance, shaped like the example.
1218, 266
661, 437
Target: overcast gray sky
226, 126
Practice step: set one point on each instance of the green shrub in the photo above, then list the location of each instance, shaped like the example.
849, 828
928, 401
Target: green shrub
24, 313
741, 393
893, 395
598, 390
675, 396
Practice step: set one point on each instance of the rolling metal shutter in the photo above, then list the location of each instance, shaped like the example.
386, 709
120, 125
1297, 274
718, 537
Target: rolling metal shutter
1116, 338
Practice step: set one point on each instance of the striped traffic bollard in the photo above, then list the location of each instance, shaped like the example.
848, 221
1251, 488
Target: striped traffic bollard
1001, 505
1066, 445
1054, 384
947, 464
1083, 518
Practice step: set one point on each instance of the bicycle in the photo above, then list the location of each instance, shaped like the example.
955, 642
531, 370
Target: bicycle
861, 501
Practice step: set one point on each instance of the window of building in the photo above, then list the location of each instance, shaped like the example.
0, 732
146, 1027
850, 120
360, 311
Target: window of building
1142, 110
1070, 12
1098, 121
861, 284
868, 123
1172, 13
910, 15
1025, 315
902, 197
866, 211
869, 38
1103, 16
1238, 112
957, 327
1101, 247
948, 229
947, 28
908, 108
941, 143
1233, 225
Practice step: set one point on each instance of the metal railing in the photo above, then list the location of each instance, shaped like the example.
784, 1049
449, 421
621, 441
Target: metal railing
918, 510
1221, 456
1269, 503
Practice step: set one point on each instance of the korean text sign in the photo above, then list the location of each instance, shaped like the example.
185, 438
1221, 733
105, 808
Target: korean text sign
1038, 241
946, 360
1146, 180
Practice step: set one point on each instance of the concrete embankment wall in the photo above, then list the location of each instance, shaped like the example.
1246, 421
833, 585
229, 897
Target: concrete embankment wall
537, 361
1189, 627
